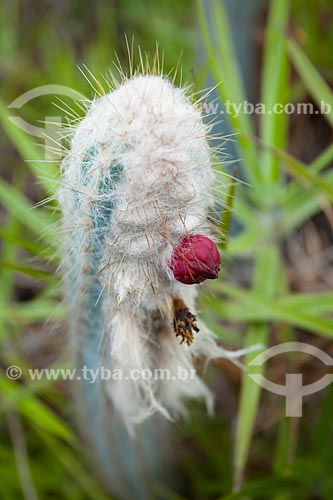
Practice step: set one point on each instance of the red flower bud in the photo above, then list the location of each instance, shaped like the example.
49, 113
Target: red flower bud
195, 259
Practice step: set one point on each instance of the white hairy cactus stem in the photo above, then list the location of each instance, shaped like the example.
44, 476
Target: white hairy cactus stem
136, 180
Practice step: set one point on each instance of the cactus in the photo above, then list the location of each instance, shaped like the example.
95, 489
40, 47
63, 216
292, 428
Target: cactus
137, 180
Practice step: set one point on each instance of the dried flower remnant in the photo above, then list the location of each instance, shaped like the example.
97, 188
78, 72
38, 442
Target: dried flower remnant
184, 322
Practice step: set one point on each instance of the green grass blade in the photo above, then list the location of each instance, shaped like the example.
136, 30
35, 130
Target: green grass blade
316, 85
36, 310
22, 209
6, 275
303, 173
261, 486
266, 277
247, 242
29, 271
226, 216
68, 459
275, 89
29, 152
297, 204
16, 240
252, 306
325, 158
38, 413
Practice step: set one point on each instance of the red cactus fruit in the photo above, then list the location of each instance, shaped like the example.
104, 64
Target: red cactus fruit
195, 259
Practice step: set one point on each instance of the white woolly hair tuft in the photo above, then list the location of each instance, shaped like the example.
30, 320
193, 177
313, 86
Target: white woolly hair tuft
137, 179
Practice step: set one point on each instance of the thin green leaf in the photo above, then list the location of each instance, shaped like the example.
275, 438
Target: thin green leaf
226, 216
68, 458
21, 208
259, 488
38, 413
266, 277
256, 307
316, 85
29, 271
36, 310
6, 275
303, 172
275, 86
29, 151
16, 240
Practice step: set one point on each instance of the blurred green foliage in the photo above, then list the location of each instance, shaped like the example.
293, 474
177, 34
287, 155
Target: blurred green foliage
314, 28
